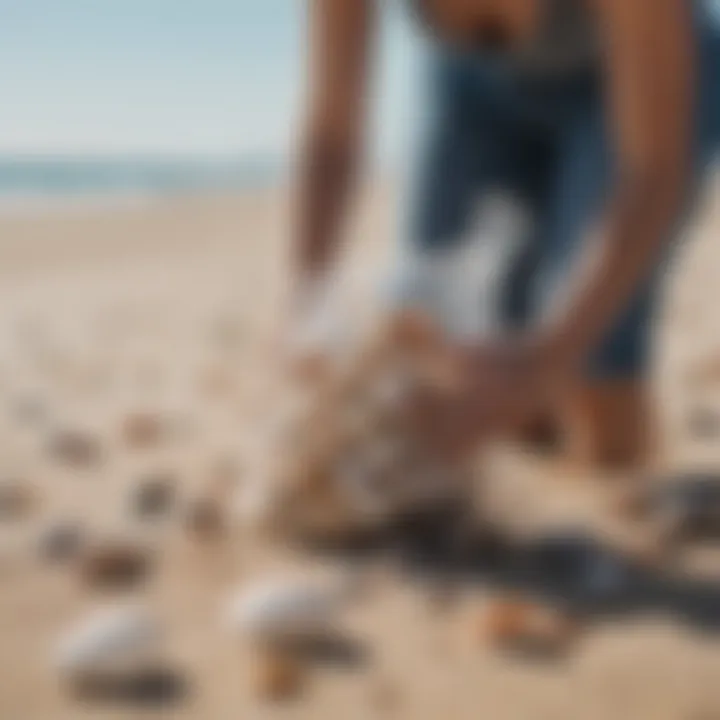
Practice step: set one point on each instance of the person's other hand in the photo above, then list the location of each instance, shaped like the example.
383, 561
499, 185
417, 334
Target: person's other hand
311, 331
500, 387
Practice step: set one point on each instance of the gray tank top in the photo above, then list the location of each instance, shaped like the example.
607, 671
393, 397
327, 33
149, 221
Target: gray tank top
566, 43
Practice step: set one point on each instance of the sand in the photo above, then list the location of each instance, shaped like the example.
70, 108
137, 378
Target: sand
163, 306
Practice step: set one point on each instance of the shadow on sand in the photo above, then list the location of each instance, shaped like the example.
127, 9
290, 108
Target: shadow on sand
572, 571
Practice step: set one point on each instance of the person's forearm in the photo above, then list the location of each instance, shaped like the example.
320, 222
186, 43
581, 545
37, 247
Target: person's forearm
325, 179
627, 244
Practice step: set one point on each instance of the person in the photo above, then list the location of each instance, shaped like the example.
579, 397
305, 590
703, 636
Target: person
602, 117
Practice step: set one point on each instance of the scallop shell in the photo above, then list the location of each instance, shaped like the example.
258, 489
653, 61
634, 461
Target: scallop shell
286, 609
112, 639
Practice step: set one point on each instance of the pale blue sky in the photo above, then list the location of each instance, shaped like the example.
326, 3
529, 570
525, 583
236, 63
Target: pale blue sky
164, 76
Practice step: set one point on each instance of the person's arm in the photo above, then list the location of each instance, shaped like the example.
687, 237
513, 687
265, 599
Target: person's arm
649, 84
338, 48
650, 81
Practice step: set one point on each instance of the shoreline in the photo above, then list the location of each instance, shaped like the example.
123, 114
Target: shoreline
37, 204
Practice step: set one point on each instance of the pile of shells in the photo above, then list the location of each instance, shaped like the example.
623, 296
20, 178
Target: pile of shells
344, 459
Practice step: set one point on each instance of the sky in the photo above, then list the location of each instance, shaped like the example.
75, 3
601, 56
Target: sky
167, 76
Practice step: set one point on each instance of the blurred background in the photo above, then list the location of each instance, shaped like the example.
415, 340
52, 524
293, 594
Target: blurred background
160, 96
145, 152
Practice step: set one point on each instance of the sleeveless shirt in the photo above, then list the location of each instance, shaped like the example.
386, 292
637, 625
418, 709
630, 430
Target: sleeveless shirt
566, 42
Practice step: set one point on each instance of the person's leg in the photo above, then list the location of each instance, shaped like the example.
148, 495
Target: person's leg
445, 167
707, 137
605, 419
608, 417
475, 142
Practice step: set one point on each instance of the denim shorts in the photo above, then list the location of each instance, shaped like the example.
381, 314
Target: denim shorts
546, 142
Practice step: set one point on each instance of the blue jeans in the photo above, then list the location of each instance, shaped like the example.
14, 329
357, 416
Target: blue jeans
545, 142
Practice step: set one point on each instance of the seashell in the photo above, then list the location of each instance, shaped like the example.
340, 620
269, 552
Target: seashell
29, 409
75, 448
112, 640
114, 563
154, 495
277, 675
528, 626
284, 610
345, 463
205, 518
142, 429
17, 499
61, 541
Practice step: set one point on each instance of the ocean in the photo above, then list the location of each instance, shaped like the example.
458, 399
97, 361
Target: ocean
25, 178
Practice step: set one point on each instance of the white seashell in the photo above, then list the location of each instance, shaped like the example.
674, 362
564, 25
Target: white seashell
283, 609
112, 639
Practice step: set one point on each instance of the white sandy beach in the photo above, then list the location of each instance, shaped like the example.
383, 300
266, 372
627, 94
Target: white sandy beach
160, 306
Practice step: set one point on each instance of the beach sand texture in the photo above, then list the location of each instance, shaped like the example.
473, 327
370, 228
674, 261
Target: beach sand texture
159, 308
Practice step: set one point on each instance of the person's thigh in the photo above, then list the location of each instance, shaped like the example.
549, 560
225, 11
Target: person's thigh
706, 146
475, 140
707, 113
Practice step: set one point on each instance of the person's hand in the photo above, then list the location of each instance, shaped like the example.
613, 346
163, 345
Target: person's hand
310, 331
500, 387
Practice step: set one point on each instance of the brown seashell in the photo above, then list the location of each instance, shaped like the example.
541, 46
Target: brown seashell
75, 448
153, 495
114, 563
61, 542
142, 429
277, 675
525, 625
17, 499
204, 518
